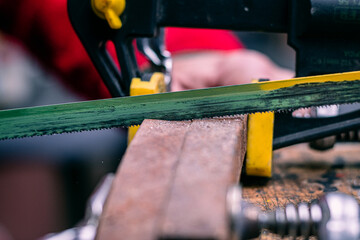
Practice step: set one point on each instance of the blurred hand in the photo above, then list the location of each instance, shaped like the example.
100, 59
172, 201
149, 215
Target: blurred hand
211, 69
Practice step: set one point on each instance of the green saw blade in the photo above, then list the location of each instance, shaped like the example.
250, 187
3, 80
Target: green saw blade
186, 105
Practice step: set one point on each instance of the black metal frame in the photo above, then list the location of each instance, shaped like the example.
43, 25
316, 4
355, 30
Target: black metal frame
289, 130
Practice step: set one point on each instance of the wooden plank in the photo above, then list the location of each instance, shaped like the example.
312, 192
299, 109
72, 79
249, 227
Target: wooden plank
170, 169
302, 175
142, 182
211, 161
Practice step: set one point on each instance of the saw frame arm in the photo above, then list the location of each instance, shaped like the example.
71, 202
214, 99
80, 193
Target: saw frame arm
289, 130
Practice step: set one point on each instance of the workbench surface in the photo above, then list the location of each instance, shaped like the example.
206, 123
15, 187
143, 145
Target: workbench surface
302, 174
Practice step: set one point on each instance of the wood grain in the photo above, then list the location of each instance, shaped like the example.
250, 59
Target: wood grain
173, 179
211, 161
142, 182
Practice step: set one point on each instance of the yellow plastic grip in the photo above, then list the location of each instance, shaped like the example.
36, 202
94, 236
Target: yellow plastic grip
260, 144
109, 10
155, 85
138, 87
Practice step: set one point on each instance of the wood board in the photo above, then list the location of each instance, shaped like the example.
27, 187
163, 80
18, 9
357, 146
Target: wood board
173, 179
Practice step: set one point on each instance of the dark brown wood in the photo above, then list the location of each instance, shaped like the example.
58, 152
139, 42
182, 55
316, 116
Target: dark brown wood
302, 175
173, 179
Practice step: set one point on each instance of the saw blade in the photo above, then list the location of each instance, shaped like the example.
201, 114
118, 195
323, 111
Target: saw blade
194, 104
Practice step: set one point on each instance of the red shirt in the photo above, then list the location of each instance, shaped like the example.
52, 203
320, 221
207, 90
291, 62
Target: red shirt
43, 26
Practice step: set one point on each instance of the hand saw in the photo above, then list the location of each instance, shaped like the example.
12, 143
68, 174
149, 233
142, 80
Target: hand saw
142, 18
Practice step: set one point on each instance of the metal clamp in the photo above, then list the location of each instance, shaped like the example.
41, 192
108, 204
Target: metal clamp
335, 216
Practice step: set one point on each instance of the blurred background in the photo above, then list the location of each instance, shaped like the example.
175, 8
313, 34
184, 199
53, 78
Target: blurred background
273, 45
45, 181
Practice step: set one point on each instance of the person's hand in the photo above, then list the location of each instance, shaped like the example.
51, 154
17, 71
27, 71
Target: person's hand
211, 69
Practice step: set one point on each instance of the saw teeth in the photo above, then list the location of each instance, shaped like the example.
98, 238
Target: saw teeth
84, 116
225, 116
